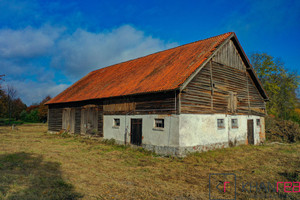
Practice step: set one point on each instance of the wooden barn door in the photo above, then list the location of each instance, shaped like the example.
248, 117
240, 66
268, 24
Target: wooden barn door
68, 120
89, 120
250, 132
136, 132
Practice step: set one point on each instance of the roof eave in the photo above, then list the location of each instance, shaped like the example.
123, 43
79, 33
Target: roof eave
190, 78
134, 94
250, 69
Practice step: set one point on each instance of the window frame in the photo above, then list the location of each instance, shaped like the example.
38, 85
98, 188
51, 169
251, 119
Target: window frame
162, 122
258, 122
223, 124
234, 125
116, 124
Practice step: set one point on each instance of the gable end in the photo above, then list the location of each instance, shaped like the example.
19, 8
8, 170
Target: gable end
230, 53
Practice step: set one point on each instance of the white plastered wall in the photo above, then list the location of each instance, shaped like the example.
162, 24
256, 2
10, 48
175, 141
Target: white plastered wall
184, 130
168, 136
202, 129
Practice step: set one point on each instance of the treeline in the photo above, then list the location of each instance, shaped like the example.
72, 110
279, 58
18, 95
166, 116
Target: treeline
36, 112
14, 111
281, 86
283, 108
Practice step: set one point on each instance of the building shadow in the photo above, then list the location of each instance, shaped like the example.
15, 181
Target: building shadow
27, 176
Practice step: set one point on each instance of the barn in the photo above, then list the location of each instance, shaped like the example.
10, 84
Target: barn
195, 97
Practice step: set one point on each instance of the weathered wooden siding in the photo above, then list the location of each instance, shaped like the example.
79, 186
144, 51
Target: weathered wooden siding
228, 55
257, 104
54, 119
77, 120
164, 102
87, 117
68, 119
219, 88
100, 120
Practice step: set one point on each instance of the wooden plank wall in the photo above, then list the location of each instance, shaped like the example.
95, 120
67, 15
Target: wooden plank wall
216, 87
119, 107
100, 120
68, 119
88, 116
223, 86
77, 120
229, 56
158, 103
89, 119
55, 119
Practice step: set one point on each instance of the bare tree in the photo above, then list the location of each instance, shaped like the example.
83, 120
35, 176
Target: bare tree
11, 96
1, 78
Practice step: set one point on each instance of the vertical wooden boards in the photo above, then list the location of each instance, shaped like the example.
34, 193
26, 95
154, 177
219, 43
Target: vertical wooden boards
65, 117
136, 132
250, 131
89, 119
72, 120
68, 119
228, 55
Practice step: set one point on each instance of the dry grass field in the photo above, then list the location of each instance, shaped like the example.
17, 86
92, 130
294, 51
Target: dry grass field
38, 165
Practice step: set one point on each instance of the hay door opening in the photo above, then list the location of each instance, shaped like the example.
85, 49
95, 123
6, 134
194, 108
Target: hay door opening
250, 131
136, 132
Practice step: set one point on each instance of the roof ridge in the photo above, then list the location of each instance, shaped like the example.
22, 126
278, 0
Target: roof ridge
161, 51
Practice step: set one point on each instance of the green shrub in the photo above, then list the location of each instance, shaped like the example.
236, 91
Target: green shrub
295, 117
33, 116
30, 117
23, 115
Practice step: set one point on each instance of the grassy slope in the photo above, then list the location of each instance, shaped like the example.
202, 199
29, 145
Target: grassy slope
36, 165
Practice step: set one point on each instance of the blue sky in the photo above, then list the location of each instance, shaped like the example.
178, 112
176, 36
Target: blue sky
45, 46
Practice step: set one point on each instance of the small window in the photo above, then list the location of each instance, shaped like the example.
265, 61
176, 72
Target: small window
258, 122
234, 123
116, 122
221, 123
159, 123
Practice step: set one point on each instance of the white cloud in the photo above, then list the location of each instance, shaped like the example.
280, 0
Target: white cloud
28, 42
84, 51
26, 54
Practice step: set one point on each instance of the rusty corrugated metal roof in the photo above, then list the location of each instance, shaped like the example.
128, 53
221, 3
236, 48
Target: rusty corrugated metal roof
161, 71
